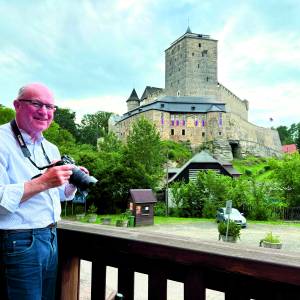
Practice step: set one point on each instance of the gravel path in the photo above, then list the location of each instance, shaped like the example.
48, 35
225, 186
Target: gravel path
204, 231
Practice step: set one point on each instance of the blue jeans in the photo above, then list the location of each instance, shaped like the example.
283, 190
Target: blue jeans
29, 264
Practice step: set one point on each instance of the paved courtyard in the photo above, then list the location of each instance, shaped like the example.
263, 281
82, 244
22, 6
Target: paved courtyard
202, 231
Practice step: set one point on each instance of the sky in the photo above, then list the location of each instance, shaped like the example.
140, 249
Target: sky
92, 53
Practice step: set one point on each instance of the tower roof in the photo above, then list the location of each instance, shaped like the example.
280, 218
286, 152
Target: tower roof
133, 96
188, 30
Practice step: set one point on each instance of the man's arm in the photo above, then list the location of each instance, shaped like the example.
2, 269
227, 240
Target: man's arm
53, 177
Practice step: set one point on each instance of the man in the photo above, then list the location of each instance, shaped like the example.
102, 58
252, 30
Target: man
30, 198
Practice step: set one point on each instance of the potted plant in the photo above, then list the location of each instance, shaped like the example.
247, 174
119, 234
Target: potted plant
79, 214
92, 216
106, 220
271, 241
233, 231
122, 221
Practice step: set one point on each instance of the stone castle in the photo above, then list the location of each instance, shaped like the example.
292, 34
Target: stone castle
195, 108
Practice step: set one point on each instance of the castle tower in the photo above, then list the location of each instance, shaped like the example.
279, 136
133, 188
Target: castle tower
133, 101
191, 66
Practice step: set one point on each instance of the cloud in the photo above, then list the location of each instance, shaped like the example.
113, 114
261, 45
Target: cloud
107, 103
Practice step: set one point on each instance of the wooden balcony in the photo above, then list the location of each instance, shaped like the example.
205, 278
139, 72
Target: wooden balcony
256, 273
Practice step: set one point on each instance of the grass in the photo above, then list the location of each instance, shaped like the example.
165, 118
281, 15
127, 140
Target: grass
160, 220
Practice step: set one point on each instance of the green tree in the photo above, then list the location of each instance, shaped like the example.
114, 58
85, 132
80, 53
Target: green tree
287, 173
6, 114
62, 138
93, 126
65, 118
143, 154
177, 152
284, 135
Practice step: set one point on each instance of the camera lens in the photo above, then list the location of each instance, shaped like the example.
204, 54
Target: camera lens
82, 180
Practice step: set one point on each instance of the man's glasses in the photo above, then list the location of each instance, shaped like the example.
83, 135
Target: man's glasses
39, 105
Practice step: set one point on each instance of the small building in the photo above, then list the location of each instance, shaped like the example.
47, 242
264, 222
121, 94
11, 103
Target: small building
141, 204
201, 162
291, 148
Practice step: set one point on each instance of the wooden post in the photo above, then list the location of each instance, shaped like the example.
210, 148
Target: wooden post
194, 286
69, 277
98, 280
126, 282
157, 285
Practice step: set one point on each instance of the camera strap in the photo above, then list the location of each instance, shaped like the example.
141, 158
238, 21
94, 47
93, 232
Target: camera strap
25, 150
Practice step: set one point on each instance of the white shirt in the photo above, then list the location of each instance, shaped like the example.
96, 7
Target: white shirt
43, 208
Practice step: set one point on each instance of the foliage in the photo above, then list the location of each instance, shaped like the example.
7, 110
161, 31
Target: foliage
290, 135
6, 114
62, 138
160, 208
270, 238
202, 197
92, 127
178, 152
287, 174
65, 118
143, 155
92, 209
233, 229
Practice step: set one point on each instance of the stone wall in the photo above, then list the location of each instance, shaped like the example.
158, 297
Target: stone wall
233, 103
191, 67
219, 131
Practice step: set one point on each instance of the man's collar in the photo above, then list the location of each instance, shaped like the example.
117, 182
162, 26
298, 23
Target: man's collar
29, 140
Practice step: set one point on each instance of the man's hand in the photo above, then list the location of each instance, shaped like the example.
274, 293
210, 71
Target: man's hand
53, 177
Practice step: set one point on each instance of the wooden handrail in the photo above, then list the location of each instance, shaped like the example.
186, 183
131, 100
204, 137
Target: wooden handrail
240, 273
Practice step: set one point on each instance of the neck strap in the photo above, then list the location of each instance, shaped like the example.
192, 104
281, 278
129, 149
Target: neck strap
19, 138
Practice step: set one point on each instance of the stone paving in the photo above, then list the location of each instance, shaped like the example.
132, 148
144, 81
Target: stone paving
204, 231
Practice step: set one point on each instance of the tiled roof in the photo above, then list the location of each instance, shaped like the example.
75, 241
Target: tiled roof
142, 196
291, 148
149, 90
180, 105
133, 96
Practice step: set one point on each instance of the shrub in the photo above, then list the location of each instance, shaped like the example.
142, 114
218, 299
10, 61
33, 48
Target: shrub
160, 209
233, 229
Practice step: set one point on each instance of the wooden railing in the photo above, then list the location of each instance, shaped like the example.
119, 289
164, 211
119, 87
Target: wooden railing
256, 273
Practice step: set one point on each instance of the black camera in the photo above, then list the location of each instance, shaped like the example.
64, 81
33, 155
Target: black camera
80, 179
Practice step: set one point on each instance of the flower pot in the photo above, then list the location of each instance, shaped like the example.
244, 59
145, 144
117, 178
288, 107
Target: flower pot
271, 245
121, 223
106, 221
79, 217
230, 239
92, 218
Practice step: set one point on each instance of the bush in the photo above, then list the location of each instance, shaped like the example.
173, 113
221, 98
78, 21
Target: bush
233, 229
160, 209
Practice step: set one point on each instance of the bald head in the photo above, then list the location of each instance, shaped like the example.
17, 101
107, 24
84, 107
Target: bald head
34, 108
36, 91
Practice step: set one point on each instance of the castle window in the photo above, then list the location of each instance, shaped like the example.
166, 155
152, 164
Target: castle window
193, 108
204, 53
172, 131
193, 54
199, 45
183, 131
207, 78
203, 134
198, 66
220, 133
178, 92
162, 105
178, 69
